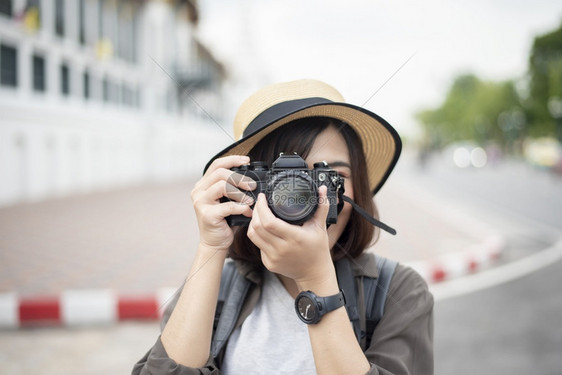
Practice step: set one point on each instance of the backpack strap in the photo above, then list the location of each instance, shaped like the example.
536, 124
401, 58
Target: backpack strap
386, 271
376, 293
365, 296
346, 282
233, 290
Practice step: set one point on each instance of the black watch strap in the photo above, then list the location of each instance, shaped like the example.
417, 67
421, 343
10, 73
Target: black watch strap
310, 308
332, 303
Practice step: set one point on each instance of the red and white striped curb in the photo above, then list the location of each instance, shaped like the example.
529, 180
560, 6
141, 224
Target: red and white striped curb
461, 263
100, 306
80, 307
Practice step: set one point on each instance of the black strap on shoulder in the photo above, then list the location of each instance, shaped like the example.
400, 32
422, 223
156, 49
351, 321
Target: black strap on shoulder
346, 282
233, 290
365, 309
377, 295
386, 269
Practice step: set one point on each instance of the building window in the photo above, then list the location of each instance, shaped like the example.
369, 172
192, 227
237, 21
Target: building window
86, 81
126, 33
109, 26
100, 20
81, 22
105, 85
134, 35
38, 64
6, 7
64, 80
8, 66
59, 17
32, 15
137, 99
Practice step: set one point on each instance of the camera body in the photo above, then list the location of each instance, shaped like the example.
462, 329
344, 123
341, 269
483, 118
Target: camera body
291, 189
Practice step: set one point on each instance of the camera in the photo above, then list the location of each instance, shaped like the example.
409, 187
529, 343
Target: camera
291, 189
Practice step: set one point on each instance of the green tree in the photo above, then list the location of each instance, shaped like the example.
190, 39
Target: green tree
475, 110
545, 70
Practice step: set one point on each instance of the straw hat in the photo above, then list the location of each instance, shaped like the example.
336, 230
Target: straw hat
276, 105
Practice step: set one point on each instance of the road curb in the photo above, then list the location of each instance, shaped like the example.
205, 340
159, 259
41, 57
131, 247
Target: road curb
86, 307
74, 308
461, 263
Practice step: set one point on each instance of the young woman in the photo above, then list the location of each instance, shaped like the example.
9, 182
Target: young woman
283, 262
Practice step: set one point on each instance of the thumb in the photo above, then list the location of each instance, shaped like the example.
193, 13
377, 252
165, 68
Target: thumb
323, 206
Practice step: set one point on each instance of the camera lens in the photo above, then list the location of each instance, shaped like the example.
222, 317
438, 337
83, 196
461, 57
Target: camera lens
293, 196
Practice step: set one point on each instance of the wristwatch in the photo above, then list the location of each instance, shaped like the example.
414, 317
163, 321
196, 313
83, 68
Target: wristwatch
310, 308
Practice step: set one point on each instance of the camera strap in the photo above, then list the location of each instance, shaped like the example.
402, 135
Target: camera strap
368, 217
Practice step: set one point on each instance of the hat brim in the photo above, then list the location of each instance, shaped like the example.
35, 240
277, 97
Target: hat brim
381, 143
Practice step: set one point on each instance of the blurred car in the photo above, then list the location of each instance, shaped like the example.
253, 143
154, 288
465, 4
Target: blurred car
543, 152
465, 154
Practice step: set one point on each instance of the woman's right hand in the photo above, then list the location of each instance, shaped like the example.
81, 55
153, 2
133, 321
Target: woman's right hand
219, 181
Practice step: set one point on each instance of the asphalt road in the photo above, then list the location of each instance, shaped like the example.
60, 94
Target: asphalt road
510, 189
511, 327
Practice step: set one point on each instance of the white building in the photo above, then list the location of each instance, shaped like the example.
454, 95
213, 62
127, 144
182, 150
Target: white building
100, 94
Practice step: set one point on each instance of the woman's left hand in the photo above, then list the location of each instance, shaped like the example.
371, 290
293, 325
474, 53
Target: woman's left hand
301, 253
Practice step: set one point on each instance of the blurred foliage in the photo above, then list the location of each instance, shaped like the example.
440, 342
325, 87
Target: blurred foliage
494, 112
545, 69
475, 110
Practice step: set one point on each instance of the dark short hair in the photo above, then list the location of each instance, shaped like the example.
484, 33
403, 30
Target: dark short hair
299, 136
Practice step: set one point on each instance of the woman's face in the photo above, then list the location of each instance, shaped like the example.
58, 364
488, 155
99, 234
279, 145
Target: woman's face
330, 146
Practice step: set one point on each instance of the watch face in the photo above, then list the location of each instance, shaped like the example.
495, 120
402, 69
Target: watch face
307, 309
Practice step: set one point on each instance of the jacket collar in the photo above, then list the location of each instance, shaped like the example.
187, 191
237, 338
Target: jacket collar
365, 265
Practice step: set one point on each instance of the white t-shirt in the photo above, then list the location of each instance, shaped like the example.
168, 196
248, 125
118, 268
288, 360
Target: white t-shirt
272, 339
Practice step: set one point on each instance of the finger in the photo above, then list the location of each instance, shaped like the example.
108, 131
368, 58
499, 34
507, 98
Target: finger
231, 208
254, 236
233, 194
222, 174
228, 162
321, 213
241, 180
220, 169
262, 238
224, 189
267, 222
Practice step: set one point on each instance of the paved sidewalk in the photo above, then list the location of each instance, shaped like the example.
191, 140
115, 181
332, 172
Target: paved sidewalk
133, 240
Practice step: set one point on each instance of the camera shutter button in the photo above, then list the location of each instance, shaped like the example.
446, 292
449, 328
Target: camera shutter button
320, 164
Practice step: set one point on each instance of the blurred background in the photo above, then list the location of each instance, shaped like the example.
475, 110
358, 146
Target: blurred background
109, 110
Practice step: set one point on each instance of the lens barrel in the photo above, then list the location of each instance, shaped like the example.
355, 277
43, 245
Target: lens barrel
292, 196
